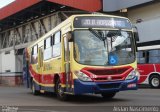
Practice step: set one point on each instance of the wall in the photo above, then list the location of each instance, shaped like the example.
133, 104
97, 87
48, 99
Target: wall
115, 5
8, 62
145, 13
149, 30
149, 27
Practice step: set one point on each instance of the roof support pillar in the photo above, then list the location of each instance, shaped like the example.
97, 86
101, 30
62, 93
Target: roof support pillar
42, 24
34, 29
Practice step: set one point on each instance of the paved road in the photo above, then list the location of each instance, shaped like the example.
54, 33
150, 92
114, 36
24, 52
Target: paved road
20, 96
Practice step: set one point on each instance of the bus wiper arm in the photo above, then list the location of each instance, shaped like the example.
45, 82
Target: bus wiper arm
98, 36
95, 33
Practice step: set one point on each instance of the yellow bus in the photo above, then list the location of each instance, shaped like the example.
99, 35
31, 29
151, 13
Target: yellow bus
87, 53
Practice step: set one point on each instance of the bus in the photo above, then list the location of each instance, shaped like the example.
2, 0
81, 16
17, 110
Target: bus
85, 54
149, 65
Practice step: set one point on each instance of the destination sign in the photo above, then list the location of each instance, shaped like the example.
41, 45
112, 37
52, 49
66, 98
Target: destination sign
101, 22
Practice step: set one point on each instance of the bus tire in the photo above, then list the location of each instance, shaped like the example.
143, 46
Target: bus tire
154, 81
59, 91
33, 88
108, 95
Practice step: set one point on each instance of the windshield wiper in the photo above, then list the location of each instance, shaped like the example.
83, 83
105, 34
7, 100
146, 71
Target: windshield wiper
102, 38
95, 33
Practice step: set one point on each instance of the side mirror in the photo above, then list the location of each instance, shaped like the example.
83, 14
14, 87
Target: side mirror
136, 36
135, 33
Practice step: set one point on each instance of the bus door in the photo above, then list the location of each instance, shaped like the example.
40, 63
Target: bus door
67, 63
40, 62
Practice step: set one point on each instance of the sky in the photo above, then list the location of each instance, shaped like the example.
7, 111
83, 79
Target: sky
5, 2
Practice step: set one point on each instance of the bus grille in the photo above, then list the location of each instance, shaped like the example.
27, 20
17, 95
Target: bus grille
108, 71
107, 74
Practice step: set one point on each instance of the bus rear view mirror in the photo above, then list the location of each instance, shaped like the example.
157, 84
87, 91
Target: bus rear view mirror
135, 33
136, 36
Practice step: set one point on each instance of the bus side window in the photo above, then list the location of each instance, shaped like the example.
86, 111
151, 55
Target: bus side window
47, 49
141, 57
34, 54
154, 56
56, 42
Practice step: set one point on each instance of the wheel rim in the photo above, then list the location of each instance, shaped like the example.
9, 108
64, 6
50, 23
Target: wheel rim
59, 90
33, 89
155, 82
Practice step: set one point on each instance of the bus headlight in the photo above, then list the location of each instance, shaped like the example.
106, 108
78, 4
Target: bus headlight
132, 74
82, 76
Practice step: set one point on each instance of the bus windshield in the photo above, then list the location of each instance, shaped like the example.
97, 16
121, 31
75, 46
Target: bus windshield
103, 47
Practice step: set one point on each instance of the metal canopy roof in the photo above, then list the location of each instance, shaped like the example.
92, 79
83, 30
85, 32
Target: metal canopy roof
87, 5
21, 11
15, 7
19, 5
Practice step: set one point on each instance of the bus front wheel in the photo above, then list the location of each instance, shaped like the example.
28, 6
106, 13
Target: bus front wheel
33, 88
154, 81
108, 95
59, 91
